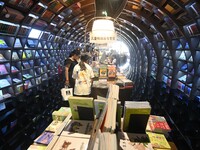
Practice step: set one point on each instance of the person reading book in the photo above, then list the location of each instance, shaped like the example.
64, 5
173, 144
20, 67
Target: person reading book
83, 75
69, 66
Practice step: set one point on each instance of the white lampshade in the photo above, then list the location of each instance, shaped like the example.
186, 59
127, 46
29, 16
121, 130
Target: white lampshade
103, 24
103, 31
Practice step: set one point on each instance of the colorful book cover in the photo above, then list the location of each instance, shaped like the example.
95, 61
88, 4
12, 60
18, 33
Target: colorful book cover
14, 69
45, 138
96, 71
78, 128
3, 69
3, 43
71, 143
157, 124
4, 83
112, 71
103, 71
82, 108
136, 114
158, 141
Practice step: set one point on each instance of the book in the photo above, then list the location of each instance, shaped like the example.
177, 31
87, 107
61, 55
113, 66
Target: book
82, 108
65, 142
99, 105
157, 124
16, 80
45, 138
54, 126
2, 58
103, 71
158, 141
3, 69
78, 128
27, 76
133, 141
15, 56
26, 65
37, 147
14, 69
3, 44
30, 43
4, 83
136, 114
28, 53
17, 43
112, 71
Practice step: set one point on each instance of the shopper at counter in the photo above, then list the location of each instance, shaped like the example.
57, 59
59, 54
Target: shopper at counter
69, 66
83, 75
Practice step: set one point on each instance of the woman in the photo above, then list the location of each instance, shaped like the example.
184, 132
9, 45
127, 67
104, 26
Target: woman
83, 75
69, 66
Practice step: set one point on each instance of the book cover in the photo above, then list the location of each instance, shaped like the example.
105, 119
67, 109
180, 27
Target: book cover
28, 53
37, 147
136, 114
71, 143
17, 43
27, 76
82, 108
112, 71
3, 69
3, 43
158, 141
157, 124
16, 80
2, 58
132, 141
15, 56
4, 83
14, 69
26, 65
78, 128
99, 106
54, 126
45, 138
96, 71
103, 71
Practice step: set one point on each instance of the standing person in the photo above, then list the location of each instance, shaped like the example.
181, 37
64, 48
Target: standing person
83, 75
69, 66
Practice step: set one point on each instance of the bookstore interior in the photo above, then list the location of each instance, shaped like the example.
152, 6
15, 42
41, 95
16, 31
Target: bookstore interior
145, 57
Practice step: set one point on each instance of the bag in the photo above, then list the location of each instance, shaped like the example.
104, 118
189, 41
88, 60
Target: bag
66, 93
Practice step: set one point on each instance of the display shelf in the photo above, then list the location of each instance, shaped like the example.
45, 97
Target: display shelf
193, 9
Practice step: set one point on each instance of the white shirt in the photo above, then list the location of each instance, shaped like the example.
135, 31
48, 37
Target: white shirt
82, 80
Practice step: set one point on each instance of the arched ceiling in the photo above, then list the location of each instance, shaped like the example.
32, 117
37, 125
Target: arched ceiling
155, 16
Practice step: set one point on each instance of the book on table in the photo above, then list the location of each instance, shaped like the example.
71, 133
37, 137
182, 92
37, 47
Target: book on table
71, 143
157, 124
78, 128
82, 108
45, 138
158, 141
136, 114
133, 141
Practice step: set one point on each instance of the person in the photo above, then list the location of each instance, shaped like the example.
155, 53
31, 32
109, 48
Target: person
83, 75
69, 66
